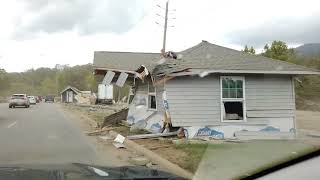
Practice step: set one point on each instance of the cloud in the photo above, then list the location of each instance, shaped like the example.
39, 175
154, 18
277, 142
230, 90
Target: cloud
85, 16
290, 30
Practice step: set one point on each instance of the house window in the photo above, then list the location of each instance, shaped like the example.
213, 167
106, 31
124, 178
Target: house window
232, 98
152, 101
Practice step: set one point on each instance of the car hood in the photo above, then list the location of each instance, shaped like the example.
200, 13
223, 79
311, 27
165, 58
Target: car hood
77, 171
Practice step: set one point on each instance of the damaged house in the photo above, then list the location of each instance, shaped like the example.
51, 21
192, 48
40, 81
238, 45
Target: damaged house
208, 90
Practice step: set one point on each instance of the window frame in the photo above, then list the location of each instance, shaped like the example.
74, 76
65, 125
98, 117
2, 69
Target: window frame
243, 99
152, 94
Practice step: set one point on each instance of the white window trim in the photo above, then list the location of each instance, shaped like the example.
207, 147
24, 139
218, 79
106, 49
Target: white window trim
152, 94
243, 100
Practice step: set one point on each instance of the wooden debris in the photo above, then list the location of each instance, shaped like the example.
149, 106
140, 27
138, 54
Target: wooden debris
158, 147
139, 161
147, 136
115, 118
97, 132
124, 123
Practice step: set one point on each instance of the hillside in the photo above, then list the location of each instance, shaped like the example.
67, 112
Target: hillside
308, 50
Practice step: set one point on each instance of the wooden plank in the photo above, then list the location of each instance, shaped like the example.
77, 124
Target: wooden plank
116, 117
148, 136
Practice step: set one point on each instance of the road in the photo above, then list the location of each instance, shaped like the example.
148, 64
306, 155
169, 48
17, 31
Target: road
43, 134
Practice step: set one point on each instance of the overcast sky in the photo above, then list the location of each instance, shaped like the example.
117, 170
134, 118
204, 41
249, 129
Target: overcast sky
42, 33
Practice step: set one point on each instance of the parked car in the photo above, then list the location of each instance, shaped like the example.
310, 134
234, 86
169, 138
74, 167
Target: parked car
49, 99
32, 99
19, 100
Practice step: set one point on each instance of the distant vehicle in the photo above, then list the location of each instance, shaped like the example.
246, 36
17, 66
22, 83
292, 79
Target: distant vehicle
19, 100
32, 99
40, 98
37, 99
49, 99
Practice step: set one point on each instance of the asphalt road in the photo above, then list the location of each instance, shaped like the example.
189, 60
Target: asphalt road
42, 134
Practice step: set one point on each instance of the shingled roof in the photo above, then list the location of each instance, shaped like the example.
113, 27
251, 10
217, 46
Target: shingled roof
221, 59
128, 61
204, 56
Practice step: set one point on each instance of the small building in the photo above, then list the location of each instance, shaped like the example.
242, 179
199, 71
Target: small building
68, 95
208, 90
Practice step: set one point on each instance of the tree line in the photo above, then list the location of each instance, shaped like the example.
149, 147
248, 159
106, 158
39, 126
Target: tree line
307, 87
45, 81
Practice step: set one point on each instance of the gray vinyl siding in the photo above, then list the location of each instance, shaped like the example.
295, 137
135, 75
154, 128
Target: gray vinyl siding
194, 101
269, 97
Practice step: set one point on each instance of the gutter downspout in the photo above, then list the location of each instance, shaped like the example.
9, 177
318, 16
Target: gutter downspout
294, 103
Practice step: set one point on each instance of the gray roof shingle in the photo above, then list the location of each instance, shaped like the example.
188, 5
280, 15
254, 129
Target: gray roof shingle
129, 61
202, 56
213, 57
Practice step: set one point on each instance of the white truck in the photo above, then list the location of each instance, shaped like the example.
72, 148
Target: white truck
105, 94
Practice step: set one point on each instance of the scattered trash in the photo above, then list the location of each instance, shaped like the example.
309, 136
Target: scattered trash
119, 145
98, 171
146, 136
119, 139
180, 133
92, 109
140, 161
105, 137
149, 165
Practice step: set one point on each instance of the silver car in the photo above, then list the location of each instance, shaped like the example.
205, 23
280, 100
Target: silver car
19, 100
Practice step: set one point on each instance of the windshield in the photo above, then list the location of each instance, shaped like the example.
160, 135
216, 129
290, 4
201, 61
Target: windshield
197, 89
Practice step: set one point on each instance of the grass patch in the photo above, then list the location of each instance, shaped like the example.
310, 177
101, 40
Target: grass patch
237, 160
194, 155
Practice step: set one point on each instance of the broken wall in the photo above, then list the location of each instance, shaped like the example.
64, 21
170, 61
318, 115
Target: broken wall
139, 113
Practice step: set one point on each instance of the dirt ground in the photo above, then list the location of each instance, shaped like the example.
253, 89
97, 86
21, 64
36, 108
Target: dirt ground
166, 149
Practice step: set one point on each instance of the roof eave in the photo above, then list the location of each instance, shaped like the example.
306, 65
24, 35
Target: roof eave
206, 71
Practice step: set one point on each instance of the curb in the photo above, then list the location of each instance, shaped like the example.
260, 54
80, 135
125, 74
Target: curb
164, 163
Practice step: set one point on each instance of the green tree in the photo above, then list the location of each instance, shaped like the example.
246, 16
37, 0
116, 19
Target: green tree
48, 86
250, 50
278, 50
246, 49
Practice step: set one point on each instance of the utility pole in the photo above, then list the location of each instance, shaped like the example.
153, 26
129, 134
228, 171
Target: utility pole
165, 27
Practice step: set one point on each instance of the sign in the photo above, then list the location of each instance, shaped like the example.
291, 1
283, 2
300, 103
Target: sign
108, 78
122, 79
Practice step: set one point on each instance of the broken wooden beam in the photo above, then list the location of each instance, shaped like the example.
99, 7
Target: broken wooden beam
148, 136
97, 132
115, 118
